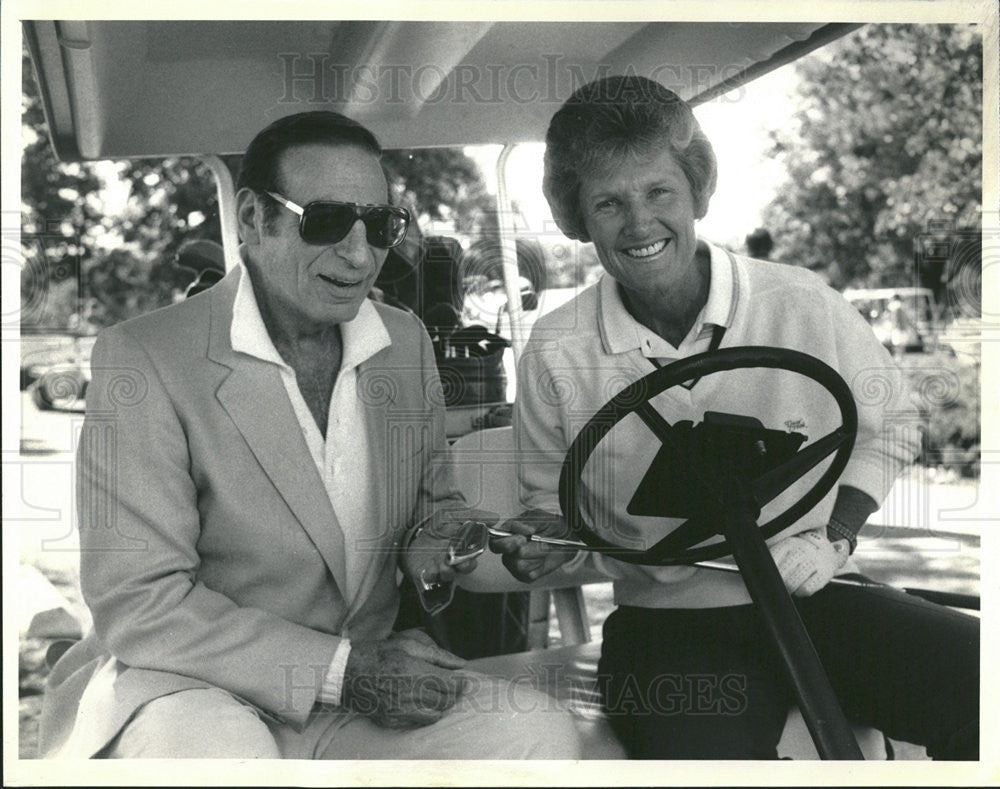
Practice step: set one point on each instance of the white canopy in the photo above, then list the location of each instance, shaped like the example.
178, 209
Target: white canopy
122, 89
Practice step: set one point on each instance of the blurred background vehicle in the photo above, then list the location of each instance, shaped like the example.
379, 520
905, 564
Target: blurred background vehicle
904, 319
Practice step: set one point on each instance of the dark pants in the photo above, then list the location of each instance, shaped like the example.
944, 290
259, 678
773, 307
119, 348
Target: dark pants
707, 684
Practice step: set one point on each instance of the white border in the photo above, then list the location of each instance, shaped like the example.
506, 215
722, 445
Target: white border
205, 773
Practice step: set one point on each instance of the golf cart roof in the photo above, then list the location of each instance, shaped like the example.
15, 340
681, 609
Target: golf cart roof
127, 89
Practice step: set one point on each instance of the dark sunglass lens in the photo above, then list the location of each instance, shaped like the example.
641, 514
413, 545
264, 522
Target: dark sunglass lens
326, 223
329, 223
385, 227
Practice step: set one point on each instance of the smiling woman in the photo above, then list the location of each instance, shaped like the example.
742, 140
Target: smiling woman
633, 178
628, 168
640, 216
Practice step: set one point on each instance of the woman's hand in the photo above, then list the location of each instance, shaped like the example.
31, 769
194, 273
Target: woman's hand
526, 560
808, 561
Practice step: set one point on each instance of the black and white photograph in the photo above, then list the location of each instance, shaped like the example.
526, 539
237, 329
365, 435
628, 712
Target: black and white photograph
518, 395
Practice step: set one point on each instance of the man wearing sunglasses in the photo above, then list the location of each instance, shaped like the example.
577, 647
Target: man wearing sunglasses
256, 463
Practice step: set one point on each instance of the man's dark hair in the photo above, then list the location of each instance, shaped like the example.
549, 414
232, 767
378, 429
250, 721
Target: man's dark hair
259, 168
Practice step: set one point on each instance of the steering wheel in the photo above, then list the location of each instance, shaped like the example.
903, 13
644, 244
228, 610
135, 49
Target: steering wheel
682, 545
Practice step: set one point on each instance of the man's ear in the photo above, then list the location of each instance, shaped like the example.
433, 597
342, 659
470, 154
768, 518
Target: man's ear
249, 216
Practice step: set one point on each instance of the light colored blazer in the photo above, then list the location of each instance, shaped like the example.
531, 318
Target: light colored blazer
210, 553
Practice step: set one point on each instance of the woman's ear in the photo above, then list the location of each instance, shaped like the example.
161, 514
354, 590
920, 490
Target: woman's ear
700, 206
249, 216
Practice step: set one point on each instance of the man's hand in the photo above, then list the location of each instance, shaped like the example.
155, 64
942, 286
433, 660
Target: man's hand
808, 561
403, 682
526, 560
426, 557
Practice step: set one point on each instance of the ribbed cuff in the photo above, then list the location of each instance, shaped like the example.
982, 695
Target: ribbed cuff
835, 530
333, 684
850, 512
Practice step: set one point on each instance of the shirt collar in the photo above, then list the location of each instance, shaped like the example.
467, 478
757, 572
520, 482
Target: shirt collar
620, 332
363, 336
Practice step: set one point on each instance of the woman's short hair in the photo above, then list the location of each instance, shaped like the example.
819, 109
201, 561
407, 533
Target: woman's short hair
608, 119
259, 168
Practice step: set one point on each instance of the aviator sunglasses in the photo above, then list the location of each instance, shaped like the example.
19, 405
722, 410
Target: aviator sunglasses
328, 221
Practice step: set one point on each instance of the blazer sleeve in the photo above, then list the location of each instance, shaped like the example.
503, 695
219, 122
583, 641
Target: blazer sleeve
139, 530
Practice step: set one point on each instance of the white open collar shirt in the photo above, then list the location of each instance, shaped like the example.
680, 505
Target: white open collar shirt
342, 456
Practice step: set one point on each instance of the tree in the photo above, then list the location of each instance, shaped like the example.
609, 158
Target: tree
86, 265
886, 146
58, 220
443, 183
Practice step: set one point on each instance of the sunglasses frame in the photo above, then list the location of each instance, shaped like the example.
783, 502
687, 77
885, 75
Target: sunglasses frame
361, 211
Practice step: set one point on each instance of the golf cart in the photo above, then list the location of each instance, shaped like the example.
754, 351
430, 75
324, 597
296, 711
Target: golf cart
134, 89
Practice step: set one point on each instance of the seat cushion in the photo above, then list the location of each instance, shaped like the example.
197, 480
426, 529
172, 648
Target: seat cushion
568, 674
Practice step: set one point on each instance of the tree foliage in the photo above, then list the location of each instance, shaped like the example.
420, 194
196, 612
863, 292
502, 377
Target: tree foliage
886, 147
89, 262
58, 219
443, 183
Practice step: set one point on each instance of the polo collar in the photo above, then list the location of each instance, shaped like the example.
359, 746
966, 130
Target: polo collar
620, 332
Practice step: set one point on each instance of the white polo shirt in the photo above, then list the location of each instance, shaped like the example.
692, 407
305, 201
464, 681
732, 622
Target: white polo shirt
620, 332
585, 352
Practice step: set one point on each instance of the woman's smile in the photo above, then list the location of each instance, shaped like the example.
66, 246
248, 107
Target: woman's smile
647, 250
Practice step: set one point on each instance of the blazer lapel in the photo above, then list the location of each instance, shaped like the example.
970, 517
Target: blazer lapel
255, 398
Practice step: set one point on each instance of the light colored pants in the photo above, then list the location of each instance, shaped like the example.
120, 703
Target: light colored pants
496, 720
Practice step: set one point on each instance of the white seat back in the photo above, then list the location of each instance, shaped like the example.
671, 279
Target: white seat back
486, 464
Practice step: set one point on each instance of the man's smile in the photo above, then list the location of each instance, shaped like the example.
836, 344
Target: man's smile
340, 283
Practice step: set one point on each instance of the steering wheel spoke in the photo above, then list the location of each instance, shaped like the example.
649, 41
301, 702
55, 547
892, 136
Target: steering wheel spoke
770, 485
654, 420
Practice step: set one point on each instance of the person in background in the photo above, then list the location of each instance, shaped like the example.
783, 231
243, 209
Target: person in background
206, 260
759, 244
